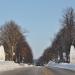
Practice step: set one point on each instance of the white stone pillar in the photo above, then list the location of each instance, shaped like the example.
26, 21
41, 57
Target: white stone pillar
2, 53
72, 54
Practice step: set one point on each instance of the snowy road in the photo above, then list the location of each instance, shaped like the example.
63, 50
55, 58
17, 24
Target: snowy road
38, 71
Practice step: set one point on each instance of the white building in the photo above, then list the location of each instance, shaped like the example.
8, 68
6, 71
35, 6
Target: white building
72, 54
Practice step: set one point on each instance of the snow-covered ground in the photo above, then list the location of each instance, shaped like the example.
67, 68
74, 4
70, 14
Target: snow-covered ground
61, 65
70, 66
10, 65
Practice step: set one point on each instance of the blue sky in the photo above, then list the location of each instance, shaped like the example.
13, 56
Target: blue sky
41, 18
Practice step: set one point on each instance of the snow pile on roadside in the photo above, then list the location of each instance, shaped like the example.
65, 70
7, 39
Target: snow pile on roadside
61, 65
10, 65
6, 65
26, 65
51, 63
66, 66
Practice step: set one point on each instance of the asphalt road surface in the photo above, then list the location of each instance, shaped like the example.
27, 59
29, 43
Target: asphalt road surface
38, 71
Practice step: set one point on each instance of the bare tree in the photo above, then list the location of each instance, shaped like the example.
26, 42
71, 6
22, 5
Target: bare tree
13, 38
63, 39
23, 52
68, 31
10, 35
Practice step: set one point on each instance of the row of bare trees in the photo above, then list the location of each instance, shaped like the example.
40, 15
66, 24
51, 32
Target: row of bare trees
15, 44
63, 40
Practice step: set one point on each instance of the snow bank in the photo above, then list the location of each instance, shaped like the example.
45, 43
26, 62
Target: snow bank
10, 65
66, 66
6, 65
26, 65
51, 63
61, 65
